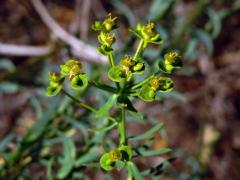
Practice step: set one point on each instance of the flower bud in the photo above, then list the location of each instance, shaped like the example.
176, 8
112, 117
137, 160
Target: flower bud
110, 23
79, 82
147, 33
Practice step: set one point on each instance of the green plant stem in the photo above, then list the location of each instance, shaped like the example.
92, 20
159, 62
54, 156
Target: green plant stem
141, 83
111, 59
139, 49
122, 128
85, 105
130, 176
80, 102
144, 81
103, 87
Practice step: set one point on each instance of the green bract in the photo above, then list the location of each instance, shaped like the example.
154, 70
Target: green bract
117, 74
116, 158
53, 90
55, 84
149, 90
106, 163
126, 152
171, 61
79, 82
108, 160
147, 33
126, 69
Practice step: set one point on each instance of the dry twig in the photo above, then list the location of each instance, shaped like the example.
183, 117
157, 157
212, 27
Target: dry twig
22, 50
79, 48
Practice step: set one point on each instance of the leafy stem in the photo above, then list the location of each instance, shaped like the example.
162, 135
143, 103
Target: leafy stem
122, 128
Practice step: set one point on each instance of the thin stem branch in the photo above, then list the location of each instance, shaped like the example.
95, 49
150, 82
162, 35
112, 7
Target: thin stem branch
111, 59
141, 83
86, 106
139, 49
103, 87
80, 102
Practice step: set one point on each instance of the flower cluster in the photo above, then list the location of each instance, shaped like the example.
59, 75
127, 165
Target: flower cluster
106, 38
72, 70
126, 69
147, 33
149, 90
116, 158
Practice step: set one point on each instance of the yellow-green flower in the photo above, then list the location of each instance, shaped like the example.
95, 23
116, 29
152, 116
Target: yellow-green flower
149, 90
71, 68
172, 60
115, 154
126, 69
109, 24
147, 33
106, 38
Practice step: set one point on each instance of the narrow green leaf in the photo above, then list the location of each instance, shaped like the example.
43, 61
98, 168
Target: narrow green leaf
206, 39
103, 111
9, 87
190, 52
48, 164
135, 172
125, 10
105, 128
215, 20
69, 155
156, 152
159, 8
159, 168
42, 123
86, 158
148, 133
